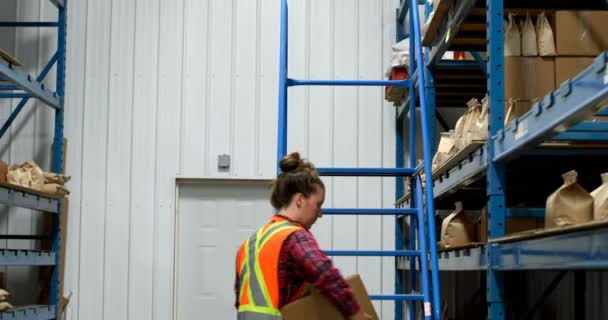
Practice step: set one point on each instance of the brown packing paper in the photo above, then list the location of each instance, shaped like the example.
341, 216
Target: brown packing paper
318, 307
479, 130
51, 177
457, 229
600, 199
570, 204
445, 149
55, 189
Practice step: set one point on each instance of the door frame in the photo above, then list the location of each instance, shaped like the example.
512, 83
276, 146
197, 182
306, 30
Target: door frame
200, 181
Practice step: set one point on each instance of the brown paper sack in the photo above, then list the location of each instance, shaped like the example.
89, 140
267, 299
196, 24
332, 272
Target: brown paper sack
544, 34
528, 38
479, 130
512, 37
444, 150
54, 188
570, 204
457, 229
600, 199
51, 177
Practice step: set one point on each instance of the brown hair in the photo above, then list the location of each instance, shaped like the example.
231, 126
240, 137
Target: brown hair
297, 176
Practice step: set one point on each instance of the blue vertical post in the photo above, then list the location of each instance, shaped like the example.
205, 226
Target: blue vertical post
412, 145
282, 133
429, 85
496, 171
428, 155
58, 153
400, 189
424, 269
399, 192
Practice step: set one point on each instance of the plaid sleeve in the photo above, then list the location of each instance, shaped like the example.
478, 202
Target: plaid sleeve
237, 285
318, 269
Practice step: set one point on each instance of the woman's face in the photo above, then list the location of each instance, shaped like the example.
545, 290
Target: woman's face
310, 207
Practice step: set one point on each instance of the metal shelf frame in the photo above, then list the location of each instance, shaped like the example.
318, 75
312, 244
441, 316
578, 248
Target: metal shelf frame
558, 117
16, 84
30, 313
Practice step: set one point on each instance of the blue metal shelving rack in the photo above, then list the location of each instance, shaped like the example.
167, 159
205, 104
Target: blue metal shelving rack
16, 84
559, 116
423, 250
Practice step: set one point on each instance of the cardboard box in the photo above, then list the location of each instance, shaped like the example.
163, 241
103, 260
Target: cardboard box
317, 307
528, 78
513, 225
581, 33
520, 107
569, 67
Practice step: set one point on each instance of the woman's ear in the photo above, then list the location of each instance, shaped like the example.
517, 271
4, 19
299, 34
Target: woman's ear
299, 200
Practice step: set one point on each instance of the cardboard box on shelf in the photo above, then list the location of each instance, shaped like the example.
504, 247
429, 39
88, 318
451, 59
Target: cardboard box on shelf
513, 225
529, 78
317, 307
581, 33
520, 107
569, 67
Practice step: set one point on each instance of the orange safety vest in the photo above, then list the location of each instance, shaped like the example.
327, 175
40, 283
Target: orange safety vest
257, 265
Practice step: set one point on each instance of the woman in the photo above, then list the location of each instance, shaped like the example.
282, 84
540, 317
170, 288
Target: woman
276, 264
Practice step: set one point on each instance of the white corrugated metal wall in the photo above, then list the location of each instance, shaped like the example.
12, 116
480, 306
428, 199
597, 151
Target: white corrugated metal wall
157, 89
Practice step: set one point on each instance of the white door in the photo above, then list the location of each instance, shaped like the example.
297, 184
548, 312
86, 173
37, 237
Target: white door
213, 218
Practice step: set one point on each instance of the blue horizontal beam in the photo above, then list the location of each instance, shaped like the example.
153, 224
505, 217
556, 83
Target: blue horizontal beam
30, 313
577, 250
396, 297
10, 257
372, 253
525, 212
28, 24
582, 136
15, 95
14, 196
590, 126
349, 83
559, 110
463, 174
458, 64
370, 212
469, 259
359, 172
8, 87
603, 113
25, 82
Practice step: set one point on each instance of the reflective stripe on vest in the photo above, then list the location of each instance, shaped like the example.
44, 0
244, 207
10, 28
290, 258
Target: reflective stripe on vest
248, 315
255, 300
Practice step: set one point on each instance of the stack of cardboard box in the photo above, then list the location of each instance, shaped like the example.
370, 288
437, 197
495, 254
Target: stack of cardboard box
579, 37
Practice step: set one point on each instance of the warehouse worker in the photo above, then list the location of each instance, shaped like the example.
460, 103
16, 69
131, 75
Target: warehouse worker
277, 263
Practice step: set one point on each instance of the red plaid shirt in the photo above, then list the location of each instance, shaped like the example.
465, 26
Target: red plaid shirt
301, 260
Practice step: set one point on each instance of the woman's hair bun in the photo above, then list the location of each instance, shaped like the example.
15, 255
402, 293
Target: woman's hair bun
293, 162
